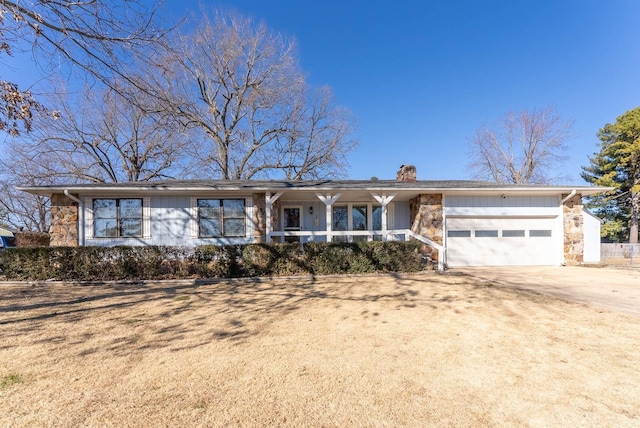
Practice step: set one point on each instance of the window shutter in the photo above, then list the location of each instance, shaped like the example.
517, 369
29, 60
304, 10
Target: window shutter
391, 224
146, 217
88, 218
248, 212
193, 218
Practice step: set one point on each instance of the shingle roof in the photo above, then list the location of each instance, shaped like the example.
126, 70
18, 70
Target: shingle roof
309, 185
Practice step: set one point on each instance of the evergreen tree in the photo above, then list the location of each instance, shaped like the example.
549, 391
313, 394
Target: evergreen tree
617, 165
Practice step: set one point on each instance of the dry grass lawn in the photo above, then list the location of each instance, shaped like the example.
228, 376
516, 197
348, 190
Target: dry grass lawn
390, 350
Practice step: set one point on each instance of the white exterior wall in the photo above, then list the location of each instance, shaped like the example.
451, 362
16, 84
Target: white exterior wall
507, 205
170, 219
591, 227
401, 216
505, 212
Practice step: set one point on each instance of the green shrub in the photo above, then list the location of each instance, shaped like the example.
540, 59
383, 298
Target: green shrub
209, 261
213, 261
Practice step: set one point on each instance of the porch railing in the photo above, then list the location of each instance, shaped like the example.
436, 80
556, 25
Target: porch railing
389, 235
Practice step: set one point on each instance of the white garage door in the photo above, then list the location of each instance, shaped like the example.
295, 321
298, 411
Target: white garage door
501, 241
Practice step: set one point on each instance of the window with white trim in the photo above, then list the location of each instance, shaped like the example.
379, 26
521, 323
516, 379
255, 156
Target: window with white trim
360, 217
117, 217
221, 218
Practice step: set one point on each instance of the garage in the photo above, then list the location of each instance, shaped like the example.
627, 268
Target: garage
501, 241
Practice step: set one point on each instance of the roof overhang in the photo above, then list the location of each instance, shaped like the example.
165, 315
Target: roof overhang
309, 188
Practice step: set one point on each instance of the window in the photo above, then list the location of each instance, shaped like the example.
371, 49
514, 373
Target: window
376, 217
458, 233
513, 233
291, 222
114, 218
540, 233
359, 215
486, 233
221, 217
376, 220
340, 222
359, 218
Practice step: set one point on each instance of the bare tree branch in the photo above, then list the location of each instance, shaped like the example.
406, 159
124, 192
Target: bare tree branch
238, 87
521, 148
107, 139
100, 38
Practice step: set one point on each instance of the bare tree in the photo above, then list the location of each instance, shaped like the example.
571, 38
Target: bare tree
317, 141
95, 36
21, 210
237, 86
105, 138
521, 148
101, 137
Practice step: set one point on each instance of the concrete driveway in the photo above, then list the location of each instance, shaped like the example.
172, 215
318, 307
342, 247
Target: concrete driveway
612, 289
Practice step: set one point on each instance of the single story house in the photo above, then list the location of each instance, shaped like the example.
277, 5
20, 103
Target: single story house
462, 223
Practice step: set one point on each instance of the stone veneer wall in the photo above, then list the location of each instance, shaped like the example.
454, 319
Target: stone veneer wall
573, 230
259, 218
426, 219
275, 219
64, 222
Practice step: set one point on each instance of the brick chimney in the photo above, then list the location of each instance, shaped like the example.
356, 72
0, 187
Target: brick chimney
406, 173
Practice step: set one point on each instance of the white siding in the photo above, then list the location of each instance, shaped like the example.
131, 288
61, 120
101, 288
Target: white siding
591, 227
498, 205
401, 215
169, 220
501, 241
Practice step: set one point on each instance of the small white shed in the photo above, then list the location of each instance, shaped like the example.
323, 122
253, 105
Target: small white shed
591, 229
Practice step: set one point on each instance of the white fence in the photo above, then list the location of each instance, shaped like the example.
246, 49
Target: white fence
620, 254
389, 235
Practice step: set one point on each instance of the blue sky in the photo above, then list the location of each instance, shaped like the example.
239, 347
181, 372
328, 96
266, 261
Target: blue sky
421, 77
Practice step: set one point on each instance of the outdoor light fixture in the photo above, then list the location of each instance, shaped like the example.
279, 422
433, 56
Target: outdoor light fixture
310, 209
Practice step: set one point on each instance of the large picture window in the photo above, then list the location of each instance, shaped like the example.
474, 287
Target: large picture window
221, 218
114, 218
356, 217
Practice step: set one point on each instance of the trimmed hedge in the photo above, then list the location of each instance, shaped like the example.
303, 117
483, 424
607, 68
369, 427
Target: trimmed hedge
32, 239
210, 261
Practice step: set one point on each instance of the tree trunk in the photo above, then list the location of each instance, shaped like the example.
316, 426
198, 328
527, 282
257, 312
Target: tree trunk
635, 212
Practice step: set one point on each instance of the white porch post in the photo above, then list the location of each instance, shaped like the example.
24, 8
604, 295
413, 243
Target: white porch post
328, 201
269, 200
384, 200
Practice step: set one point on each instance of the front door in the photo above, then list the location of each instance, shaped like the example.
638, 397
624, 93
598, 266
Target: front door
291, 217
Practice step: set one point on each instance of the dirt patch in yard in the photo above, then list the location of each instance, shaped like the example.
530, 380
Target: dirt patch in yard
388, 350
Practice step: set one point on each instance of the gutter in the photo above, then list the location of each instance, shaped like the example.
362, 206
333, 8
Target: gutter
80, 216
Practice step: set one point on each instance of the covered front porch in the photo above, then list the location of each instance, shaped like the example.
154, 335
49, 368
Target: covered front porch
343, 216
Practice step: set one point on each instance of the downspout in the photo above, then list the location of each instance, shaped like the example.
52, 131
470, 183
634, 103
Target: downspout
571, 195
80, 216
